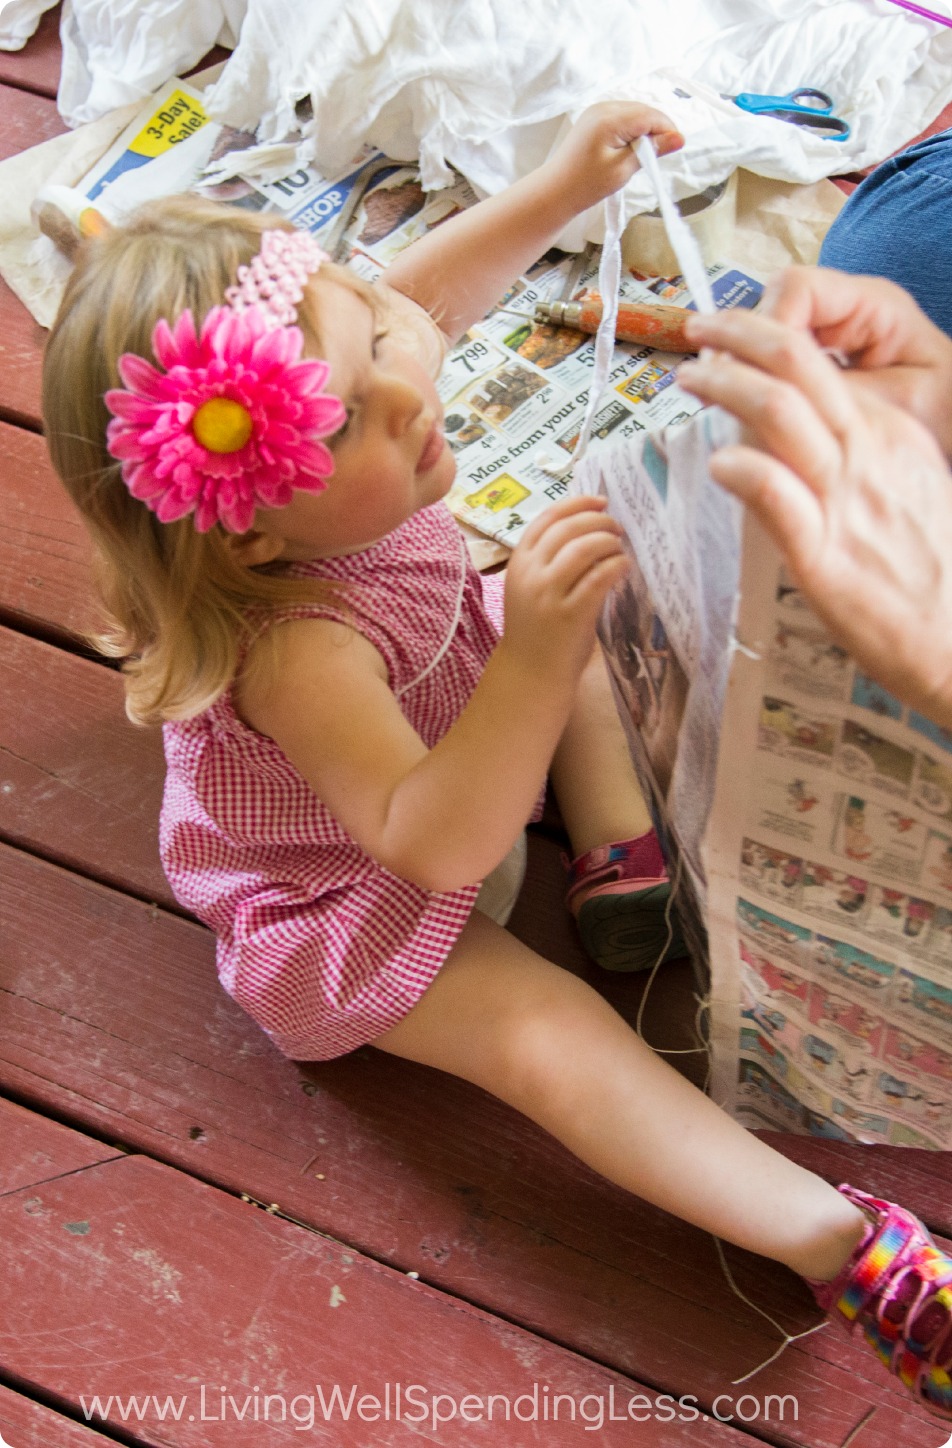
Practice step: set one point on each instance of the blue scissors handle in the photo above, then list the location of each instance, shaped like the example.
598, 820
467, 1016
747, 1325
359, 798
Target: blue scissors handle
799, 99
805, 106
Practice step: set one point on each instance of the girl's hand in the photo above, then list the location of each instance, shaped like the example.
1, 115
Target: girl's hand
855, 492
597, 157
566, 563
458, 270
893, 348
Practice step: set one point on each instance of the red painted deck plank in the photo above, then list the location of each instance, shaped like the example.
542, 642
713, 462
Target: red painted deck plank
25, 121
36, 1149
21, 350
78, 782
45, 578
121, 1025
27, 1424
37, 66
111, 1016
143, 1281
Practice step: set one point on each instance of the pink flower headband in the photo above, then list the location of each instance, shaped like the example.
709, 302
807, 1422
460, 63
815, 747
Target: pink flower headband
235, 420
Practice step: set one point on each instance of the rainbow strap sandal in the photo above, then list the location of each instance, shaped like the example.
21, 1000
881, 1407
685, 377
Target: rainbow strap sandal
897, 1286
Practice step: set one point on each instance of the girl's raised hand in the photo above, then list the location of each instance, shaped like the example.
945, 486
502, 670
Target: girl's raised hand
855, 492
460, 269
597, 156
567, 561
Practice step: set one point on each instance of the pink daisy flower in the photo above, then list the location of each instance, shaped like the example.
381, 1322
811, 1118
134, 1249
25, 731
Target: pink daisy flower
233, 423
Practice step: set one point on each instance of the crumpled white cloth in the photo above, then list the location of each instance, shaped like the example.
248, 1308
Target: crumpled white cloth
117, 51
488, 86
19, 19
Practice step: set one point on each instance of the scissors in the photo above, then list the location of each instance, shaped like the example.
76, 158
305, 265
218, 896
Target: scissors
801, 107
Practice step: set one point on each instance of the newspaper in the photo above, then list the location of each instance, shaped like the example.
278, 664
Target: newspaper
666, 632
172, 145
514, 393
809, 813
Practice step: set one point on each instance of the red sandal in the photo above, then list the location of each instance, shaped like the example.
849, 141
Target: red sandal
620, 896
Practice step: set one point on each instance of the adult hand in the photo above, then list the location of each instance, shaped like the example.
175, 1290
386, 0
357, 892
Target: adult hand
855, 492
597, 156
893, 348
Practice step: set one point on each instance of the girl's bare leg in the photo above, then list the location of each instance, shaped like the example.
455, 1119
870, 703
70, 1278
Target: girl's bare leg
592, 774
545, 1042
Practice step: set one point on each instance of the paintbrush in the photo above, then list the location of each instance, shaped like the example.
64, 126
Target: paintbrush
646, 324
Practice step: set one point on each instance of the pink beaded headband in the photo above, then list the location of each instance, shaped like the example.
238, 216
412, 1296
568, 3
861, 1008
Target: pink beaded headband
275, 279
235, 421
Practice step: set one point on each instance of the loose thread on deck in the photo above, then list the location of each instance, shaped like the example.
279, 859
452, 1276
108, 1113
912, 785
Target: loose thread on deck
704, 1004
788, 1337
858, 1429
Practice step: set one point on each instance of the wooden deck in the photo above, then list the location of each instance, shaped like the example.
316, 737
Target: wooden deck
188, 1219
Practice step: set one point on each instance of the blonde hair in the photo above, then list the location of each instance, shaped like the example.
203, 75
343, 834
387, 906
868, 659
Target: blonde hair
177, 602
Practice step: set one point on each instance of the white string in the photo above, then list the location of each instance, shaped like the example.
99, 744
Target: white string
451, 633
788, 1338
861, 1425
703, 1005
609, 282
734, 646
680, 236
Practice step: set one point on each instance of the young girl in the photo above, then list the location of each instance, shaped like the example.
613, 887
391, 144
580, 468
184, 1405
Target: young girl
355, 739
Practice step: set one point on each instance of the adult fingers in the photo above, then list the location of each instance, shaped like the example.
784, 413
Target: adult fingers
783, 353
871, 319
809, 297
787, 509
777, 416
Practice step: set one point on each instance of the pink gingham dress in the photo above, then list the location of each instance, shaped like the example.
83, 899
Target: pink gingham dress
320, 944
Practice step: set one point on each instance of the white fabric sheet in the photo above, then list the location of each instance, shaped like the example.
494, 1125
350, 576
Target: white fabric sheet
487, 86
18, 21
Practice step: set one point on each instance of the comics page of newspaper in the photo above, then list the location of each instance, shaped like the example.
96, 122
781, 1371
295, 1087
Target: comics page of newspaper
809, 814
829, 859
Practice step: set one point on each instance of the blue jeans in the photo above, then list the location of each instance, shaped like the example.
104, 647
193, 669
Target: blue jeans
898, 224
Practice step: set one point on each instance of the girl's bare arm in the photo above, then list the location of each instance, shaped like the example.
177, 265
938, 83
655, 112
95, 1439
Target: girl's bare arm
445, 817
462, 267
